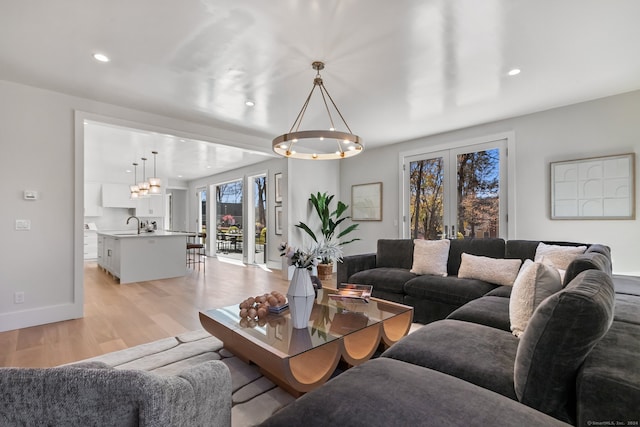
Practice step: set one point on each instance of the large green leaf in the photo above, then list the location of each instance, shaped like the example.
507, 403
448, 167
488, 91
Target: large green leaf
330, 220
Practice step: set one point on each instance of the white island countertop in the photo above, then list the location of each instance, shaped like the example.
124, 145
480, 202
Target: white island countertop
133, 257
133, 233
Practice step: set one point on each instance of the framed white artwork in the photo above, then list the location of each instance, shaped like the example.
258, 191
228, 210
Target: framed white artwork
594, 188
366, 202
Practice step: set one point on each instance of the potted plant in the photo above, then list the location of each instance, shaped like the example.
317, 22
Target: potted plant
329, 245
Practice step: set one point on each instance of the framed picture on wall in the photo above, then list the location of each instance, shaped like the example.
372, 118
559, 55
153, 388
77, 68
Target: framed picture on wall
366, 202
594, 188
278, 187
278, 218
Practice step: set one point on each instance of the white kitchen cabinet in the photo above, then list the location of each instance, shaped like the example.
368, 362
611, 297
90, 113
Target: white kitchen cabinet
117, 196
100, 251
111, 255
90, 244
152, 206
92, 199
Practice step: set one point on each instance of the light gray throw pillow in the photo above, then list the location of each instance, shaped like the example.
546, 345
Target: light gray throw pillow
535, 282
558, 256
430, 256
500, 271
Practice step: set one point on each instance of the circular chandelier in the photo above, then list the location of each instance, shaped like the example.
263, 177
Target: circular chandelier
318, 144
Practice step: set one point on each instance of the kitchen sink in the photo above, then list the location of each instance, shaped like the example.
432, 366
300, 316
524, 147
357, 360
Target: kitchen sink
126, 233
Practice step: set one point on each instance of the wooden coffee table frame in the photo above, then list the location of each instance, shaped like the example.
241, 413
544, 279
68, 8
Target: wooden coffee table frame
306, 371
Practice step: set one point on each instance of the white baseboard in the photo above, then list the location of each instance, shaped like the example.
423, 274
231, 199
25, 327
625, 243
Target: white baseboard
40, 316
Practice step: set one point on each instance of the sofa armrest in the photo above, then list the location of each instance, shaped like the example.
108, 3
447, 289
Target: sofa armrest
354, 263
211, 383
73, 395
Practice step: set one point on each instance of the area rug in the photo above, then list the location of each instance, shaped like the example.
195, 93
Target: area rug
255, 398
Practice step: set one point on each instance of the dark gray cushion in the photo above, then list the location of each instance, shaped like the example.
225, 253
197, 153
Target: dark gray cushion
395, 253
500, 291
587, 261
559, 336
383, 279
493, 248
489, 311
609, 380
427, 311
450, 289
475, 353
526, 249
627, 309
629, 285
352, 264
599, 248
385, 392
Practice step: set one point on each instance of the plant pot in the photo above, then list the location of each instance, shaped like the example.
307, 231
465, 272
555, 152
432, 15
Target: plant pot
325, 271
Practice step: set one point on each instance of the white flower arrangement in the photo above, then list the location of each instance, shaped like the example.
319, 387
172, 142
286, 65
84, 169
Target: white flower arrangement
299, 258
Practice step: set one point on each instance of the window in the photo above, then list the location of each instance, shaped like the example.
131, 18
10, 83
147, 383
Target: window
456, 193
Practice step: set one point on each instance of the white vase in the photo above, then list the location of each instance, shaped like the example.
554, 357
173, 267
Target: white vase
301, 297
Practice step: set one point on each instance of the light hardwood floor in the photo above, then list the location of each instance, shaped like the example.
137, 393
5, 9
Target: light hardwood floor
121, 316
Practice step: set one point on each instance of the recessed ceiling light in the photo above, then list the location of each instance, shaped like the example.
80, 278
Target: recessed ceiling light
208, 167
179, 176
514, 72
128, 171
249, 103
101, 57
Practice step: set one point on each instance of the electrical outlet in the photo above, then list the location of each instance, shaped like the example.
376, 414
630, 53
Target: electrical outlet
23, 224
18, 298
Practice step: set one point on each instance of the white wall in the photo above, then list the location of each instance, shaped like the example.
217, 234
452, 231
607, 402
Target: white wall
178, 209
38, 135
306, 177
602, 127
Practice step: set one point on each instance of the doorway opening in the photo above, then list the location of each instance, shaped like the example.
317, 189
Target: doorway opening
257, 215
229, 220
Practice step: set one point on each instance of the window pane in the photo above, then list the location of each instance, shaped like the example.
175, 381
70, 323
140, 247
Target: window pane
229, 217
260, 215
426, 191
478, 194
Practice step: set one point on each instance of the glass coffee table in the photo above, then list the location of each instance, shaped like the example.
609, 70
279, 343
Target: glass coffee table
299, 360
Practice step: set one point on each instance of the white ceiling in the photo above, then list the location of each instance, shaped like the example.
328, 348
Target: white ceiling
111, 150
396, 69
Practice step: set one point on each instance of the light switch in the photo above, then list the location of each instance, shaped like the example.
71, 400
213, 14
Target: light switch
23, 224
30, 195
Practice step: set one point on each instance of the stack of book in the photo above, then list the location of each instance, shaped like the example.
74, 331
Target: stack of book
278, 308
350, 292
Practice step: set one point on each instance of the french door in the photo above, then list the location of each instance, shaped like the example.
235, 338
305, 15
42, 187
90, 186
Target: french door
456, 193
229, 219
257, 250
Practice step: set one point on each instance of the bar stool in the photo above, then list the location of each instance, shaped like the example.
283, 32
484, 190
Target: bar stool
196, 251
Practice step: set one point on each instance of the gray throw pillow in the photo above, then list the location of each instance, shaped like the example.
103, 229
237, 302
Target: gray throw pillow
560, 334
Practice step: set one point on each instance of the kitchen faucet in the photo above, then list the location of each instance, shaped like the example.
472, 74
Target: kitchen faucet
137, 219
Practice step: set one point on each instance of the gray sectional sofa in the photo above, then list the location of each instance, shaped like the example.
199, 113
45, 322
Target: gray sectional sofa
576, 362
435, 297
92, 393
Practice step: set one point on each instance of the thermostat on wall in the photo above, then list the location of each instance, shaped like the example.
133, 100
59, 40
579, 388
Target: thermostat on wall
30, 195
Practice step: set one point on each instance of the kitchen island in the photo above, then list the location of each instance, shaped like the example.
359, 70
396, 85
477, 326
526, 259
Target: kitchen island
133, 257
